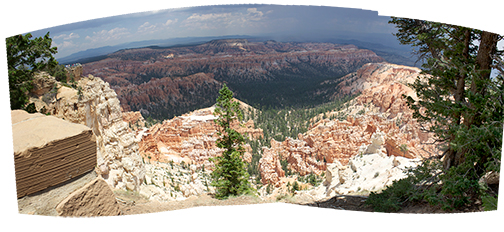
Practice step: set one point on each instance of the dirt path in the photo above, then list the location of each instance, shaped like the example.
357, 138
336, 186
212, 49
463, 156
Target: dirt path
134, 204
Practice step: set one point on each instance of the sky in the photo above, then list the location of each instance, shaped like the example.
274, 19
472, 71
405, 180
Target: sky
30, 15
212, 21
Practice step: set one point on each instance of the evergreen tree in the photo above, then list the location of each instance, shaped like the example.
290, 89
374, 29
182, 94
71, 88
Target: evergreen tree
25, 56
462, 104
459, 97
229, 176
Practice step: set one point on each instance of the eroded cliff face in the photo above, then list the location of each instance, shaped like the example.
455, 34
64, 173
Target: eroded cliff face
134, 119
380, 109
164, 82
94, 104
189, 139
176, 153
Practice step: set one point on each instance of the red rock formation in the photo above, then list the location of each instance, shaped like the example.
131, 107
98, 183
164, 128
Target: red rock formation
134, 119
189, 138
168, 91
272, 169
168, 76
379, 108
375, 74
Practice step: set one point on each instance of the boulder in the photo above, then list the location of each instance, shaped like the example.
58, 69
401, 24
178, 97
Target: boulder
94, 199
49, 151
490, 178
43, 83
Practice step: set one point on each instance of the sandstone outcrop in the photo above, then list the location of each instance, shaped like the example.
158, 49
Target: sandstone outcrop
74, 72
135, 120
49, 151
94, 199
189, 138
96, 105
378, 120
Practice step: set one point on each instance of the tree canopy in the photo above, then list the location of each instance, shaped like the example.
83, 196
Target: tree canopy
25, 56
462, 103
460, 99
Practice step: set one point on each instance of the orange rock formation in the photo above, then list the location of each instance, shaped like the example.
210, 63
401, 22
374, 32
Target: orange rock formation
189, 138
379, 109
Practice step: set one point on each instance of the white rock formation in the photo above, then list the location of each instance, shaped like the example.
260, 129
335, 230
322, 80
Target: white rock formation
364, 173
95, 105
168, 182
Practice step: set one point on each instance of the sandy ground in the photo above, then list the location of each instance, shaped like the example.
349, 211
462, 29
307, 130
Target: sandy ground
134, 204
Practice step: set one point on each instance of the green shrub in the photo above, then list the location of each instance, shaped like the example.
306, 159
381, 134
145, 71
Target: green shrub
489, 202
392, 198
452, 189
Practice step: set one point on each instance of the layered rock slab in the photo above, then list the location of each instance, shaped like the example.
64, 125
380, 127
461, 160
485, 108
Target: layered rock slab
49, 151
94, 199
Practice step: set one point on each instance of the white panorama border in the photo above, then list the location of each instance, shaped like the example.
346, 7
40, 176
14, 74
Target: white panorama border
29, 15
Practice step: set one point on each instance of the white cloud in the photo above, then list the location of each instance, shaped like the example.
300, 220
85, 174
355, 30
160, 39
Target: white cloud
146, 27
170, 22
104, 35
223, 20
67, 37
151, 28
63, 45
254, 14
208, 21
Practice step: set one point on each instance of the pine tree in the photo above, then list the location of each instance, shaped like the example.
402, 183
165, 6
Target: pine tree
462, 104
230, 177
25, 56
459, 97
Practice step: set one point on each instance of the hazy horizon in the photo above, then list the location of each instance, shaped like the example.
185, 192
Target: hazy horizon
292, 22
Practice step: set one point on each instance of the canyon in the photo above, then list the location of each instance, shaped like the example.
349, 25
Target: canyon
166, 82
378, 121
357, 148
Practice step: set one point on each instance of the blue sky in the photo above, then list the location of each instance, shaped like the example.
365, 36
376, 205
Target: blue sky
178, 20
213, 21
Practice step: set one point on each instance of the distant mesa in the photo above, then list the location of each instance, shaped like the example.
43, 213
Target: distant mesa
165, 82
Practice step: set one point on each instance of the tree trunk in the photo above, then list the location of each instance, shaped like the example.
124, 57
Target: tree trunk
484, 60
453, 157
